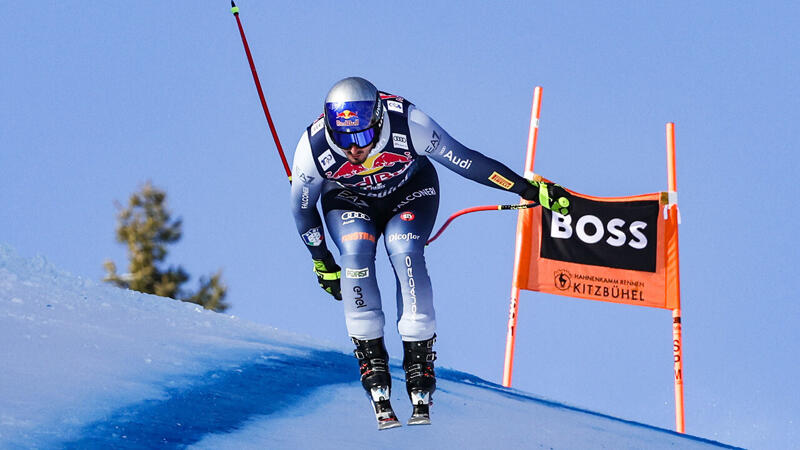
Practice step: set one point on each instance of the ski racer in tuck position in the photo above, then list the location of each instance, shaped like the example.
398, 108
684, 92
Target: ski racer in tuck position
368, 158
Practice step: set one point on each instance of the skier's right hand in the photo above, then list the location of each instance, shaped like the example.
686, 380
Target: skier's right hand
329, 276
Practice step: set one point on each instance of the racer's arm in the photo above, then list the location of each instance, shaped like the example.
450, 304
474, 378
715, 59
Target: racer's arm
306, 189
433, 141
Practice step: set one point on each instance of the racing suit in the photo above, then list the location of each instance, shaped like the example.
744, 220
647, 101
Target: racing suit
394, 193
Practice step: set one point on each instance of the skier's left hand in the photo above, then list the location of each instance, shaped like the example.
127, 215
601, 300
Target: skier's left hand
329, 276
550, 195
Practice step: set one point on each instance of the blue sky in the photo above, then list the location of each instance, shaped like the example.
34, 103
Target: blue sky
97, 100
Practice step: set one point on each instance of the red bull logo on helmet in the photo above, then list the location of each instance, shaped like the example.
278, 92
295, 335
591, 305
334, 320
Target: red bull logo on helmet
347, 118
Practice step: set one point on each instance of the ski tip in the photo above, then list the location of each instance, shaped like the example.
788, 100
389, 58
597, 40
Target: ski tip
389, 424
419, 421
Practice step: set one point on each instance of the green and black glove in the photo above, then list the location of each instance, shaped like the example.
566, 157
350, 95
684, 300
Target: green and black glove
550, 195
329, 276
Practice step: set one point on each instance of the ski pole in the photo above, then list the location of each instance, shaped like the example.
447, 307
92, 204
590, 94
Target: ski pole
235, 11
476, 209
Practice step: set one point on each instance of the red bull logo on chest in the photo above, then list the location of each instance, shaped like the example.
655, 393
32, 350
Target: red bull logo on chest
375, 169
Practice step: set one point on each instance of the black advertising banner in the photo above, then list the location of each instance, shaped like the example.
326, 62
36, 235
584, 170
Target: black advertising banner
620, 235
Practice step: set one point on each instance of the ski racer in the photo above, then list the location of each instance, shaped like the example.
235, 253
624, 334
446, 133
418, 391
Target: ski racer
368, 158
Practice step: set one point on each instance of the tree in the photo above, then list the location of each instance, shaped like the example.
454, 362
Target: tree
146, 227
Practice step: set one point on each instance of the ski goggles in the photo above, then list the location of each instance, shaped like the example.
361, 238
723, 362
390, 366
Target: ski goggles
360, 138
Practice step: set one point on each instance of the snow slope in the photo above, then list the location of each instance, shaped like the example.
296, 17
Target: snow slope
86, 365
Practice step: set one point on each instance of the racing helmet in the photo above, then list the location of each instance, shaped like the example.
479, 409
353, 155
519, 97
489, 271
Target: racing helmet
353, 113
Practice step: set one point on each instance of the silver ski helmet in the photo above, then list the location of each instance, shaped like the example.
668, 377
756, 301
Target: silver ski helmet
353, 113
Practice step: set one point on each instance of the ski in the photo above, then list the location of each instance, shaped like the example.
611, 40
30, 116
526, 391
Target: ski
384, 413
422, 412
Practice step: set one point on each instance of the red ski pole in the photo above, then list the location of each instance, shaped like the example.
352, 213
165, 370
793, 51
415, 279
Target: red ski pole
476, 209
235, 11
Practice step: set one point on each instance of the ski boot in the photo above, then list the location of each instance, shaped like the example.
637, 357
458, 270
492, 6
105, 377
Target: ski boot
373, 362
418, 361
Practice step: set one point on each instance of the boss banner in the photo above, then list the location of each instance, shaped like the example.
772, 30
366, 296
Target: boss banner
612, 249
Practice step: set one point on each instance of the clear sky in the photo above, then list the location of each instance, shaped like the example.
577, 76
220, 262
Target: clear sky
99, 98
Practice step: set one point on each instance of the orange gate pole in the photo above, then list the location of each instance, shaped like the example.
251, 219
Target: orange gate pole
521, 240
677, 344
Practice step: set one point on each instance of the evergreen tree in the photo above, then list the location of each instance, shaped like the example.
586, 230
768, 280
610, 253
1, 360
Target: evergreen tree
146, 227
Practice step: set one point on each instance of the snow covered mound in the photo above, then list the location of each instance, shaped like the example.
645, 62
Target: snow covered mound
85, 365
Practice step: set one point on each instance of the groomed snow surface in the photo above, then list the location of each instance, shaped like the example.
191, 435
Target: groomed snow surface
86, 365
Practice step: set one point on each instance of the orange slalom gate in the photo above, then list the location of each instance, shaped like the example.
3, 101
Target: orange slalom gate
654, 284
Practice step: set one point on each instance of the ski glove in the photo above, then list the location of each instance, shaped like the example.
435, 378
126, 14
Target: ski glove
329, 276
550, 195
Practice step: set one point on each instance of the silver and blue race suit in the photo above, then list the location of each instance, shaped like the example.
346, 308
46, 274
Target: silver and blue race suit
394, 193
